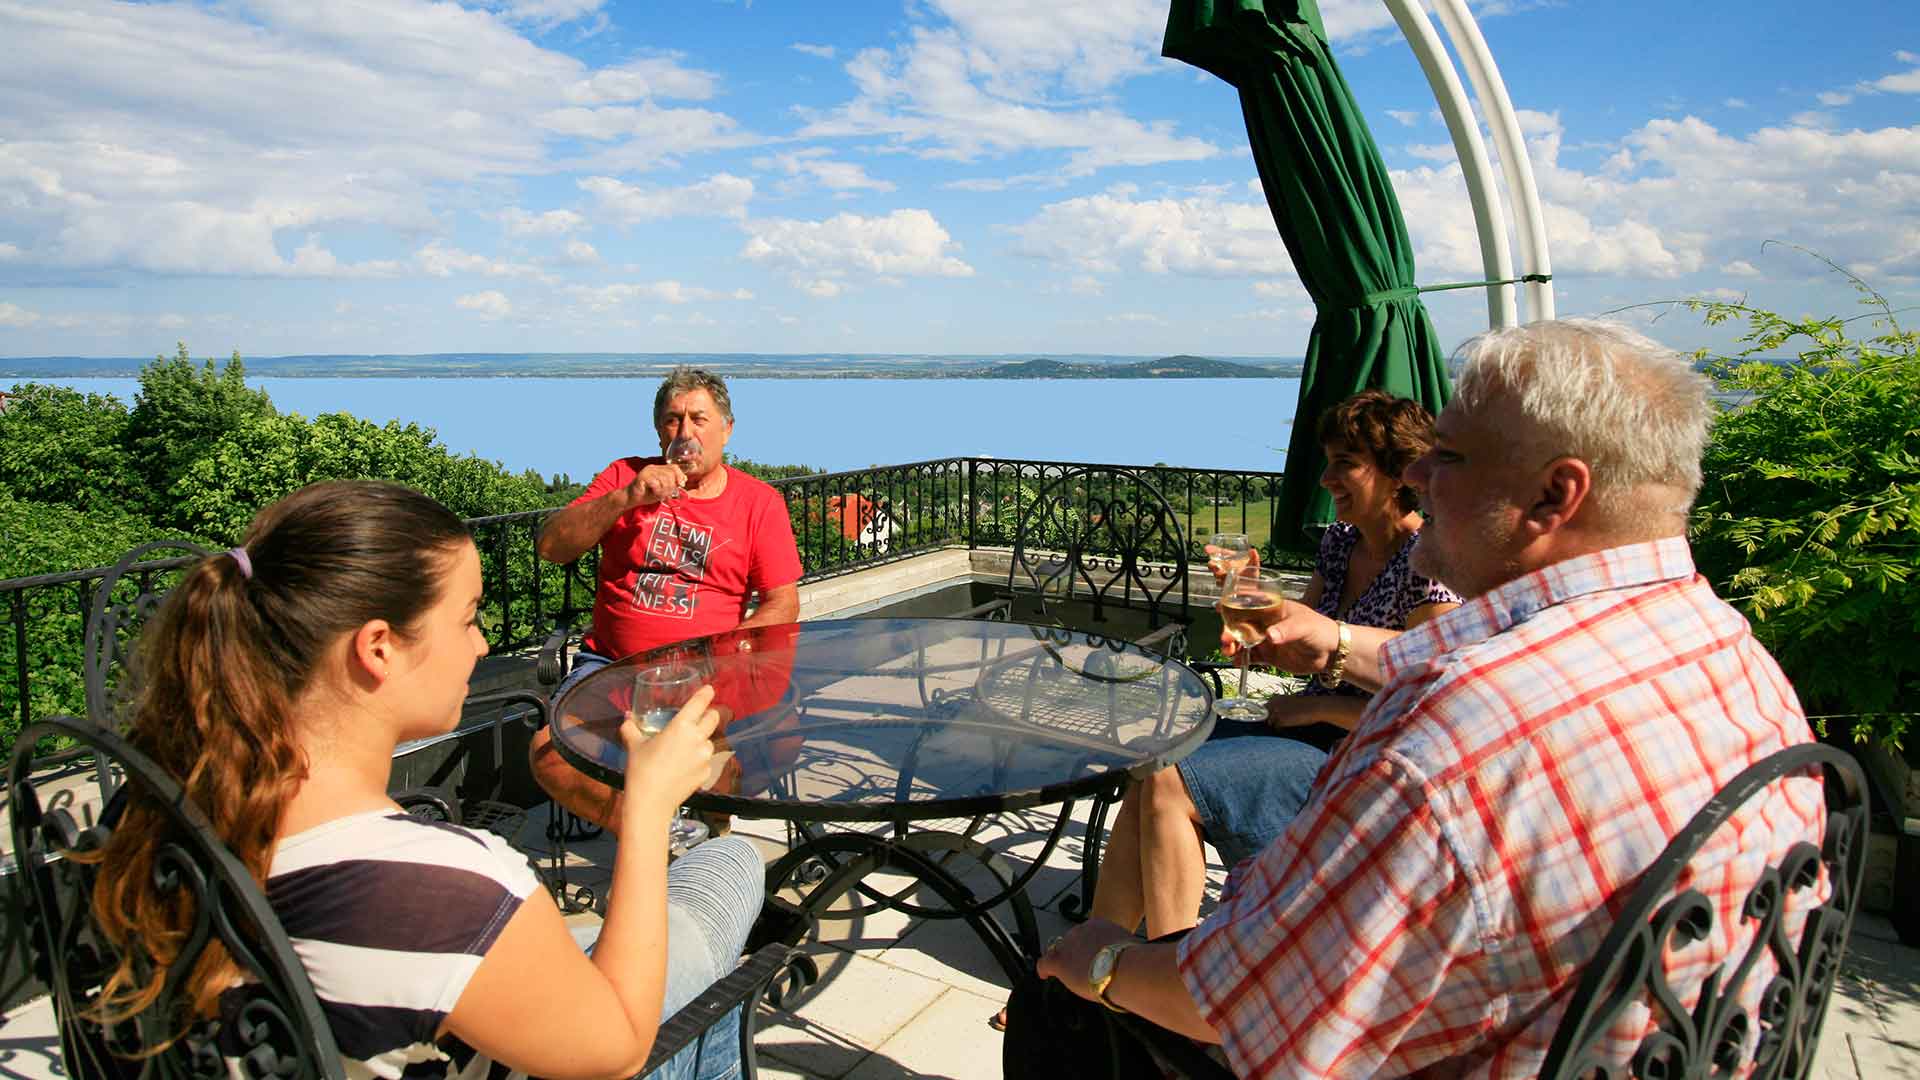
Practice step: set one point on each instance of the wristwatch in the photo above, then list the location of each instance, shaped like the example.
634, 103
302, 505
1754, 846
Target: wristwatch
1100, 975
1337, 666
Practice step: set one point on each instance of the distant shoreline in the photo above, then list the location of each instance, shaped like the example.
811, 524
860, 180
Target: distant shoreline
736, 366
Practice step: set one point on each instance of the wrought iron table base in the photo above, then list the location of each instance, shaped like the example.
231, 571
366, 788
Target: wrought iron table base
828, 866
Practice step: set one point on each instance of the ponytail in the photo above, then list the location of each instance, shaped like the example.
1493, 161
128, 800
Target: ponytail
217, 674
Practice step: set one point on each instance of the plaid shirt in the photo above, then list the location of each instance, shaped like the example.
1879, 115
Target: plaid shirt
1430, 909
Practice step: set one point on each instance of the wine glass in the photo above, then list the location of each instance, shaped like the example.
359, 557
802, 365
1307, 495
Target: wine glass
1253, 599
1228, 552
658, 693
683, 450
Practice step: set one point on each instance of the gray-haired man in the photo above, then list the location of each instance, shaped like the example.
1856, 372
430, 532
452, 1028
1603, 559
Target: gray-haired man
684, 545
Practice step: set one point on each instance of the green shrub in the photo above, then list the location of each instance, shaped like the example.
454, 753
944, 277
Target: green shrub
1809, 520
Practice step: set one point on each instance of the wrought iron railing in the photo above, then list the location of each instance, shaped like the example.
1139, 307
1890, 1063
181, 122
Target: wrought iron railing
842, 522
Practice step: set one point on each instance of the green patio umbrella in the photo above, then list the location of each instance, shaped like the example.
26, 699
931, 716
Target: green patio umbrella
1336, 210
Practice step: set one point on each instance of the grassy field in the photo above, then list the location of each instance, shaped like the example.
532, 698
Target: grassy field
1206, 520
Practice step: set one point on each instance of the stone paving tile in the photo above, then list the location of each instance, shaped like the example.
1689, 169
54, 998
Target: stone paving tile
30, 1044
1887, 1059
860, 999
906, 998
801, 1048
947, 1041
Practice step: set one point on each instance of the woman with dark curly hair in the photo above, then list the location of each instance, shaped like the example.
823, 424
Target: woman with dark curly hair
275, 682
1240, 788
1236, 792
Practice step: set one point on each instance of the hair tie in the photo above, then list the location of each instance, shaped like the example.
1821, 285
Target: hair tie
246, 563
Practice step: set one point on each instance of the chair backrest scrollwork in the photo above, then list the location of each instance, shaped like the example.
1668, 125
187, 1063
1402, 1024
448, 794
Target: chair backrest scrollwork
1716, 1036
122, 603
1106, 536
271, 1025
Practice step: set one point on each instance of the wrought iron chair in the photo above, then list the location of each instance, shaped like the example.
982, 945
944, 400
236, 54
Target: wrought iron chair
1105, 537
272, 1025
1715, 1036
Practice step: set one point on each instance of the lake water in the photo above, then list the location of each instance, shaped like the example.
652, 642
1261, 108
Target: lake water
576, 426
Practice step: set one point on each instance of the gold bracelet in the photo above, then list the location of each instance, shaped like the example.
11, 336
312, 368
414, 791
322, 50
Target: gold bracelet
1330, 678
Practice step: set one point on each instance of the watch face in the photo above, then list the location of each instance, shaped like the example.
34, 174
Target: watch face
1102, 966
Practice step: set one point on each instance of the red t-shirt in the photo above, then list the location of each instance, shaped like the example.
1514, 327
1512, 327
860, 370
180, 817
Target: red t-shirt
684, 568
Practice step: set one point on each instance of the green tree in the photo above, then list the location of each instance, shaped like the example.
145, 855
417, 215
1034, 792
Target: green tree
60, 446
180, 412
258, 460
1809, 520
47, 538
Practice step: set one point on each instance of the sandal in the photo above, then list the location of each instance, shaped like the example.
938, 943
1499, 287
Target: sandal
998, 1021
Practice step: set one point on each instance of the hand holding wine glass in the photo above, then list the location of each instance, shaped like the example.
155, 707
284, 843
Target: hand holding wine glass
1251, 600
663, 695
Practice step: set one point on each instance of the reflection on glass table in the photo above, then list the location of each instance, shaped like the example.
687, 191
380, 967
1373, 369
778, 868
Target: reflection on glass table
907, 721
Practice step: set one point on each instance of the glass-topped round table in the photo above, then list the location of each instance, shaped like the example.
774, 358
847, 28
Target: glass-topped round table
911, 721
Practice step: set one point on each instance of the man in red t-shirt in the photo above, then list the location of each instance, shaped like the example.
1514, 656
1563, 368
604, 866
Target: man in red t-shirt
684, 545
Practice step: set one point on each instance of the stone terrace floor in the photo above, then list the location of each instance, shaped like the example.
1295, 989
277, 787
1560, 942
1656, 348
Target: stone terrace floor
900, 998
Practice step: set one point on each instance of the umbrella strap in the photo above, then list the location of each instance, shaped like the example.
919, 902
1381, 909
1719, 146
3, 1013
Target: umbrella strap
1408, 292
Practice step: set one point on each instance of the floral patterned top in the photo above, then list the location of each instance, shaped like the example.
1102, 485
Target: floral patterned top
1384, 603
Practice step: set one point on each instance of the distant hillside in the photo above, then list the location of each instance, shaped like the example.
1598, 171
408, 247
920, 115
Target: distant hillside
1167, 367
652, 365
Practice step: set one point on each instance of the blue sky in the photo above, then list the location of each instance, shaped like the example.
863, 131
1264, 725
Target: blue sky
940, 176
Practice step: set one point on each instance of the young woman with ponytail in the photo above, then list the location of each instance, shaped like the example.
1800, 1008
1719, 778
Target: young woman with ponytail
275, 682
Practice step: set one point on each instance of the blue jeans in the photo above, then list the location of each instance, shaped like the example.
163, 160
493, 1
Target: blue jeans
714, 893
1247, 783
585, 663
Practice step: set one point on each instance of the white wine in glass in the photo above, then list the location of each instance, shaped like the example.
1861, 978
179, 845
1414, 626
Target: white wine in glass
1252, 600
658, 693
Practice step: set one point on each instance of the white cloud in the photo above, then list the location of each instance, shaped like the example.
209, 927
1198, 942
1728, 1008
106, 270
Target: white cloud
819, 255
1286, 288
720, 195
14, 315
1741, 268
521, 222
1905, 82
607, 297
581, 252
490, 305
1731, 296
1206, 236
824, 52
1736, 103
550, 12
641, 79
814, 165
1689, 196
9, 251
437, 259
178, 138
1001, 77
1832, 98
1137, 317
1406, 117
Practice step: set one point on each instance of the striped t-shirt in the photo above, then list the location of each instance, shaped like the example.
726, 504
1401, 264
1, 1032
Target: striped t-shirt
391, 916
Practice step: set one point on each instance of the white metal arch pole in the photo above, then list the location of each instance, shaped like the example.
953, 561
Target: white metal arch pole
1489, 216
1528, 220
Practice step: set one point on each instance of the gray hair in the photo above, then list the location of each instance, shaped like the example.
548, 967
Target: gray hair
686, 379
1634, 410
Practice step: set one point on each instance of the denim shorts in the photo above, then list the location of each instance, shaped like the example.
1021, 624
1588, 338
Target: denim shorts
1247, 783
